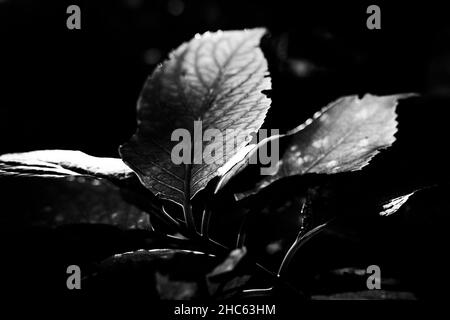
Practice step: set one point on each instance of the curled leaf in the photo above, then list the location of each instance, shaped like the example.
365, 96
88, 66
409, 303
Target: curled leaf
240, 161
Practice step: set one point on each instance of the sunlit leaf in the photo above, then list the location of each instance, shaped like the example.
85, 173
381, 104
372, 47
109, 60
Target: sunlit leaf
229, 263
393, 205
241, 160
343, 136
62, 163
216, 78
235, 165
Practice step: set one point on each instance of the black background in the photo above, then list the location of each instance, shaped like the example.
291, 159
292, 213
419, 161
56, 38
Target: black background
77, 89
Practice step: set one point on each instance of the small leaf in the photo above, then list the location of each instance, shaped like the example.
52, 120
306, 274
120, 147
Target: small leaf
62, 163
393, 205
230, 262
342, 137
216, 78
223, 279
169, 289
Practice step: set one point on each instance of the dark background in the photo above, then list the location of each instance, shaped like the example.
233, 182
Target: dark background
77, 89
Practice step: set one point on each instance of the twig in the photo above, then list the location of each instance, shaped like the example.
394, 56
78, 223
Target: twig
302, 238
206, 217
242, 235
187, 208
169, 218
256, 293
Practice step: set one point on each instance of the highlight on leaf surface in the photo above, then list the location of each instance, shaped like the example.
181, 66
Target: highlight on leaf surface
343, 136
62, 163
216, 78
236, 165
392, 206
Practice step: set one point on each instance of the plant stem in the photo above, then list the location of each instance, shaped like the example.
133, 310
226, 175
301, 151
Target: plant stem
260, 266
187, 208
206, 216
190, 223
242, 235
273, 275
256, 293
302, 238
169, 218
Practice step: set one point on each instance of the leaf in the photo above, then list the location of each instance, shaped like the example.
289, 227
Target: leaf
150, 256
393, 205
234, 166
238, 163
174, 290
62, 163
216, 78
222, 279
41, 202
166, 273
368, 295
67, 164
343, 136
74, 198
229, 263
